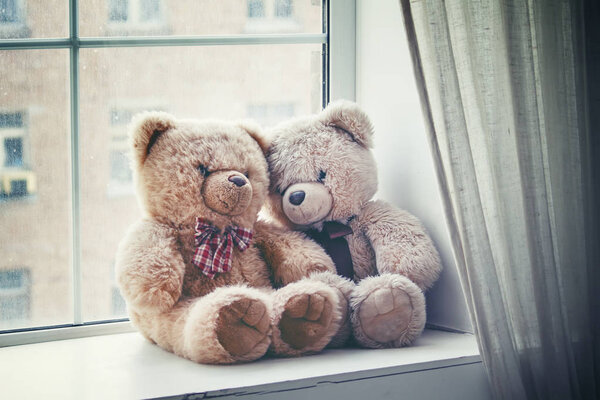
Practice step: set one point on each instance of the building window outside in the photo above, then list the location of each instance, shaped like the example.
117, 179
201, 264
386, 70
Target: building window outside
118, 10
16, 180
256, 9
267, 16
9, 12
118, 307
12, 21
15, 295
121, 176
13, 152
135, 11
11, 120
149, 10
283, 8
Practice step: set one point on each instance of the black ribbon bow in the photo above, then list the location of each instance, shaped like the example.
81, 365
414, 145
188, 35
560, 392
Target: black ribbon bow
331, 238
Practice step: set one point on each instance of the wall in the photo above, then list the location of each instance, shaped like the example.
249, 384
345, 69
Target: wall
387, 91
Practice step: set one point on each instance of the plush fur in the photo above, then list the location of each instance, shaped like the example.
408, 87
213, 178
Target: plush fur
322, 169
183, 169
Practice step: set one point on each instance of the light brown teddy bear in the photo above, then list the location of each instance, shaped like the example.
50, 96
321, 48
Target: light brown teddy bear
323, 176
194, 269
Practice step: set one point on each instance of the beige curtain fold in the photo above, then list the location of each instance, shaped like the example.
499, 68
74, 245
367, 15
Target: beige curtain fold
502, 86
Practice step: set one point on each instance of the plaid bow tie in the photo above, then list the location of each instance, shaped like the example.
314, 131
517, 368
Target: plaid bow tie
213, 251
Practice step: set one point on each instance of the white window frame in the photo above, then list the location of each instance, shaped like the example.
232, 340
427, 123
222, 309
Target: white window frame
339, 45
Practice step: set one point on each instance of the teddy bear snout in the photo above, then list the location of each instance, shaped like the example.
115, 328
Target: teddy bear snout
307, 202
227, 192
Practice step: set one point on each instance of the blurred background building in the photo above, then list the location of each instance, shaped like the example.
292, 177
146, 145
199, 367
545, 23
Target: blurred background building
268, 83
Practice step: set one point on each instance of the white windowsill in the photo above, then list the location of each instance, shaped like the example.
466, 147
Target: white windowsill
127, 366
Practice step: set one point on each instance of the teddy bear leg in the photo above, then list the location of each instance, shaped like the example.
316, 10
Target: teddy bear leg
306, 315
344, 288
231, 324
387, 311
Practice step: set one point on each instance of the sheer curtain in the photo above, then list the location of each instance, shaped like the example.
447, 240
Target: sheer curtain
503, 87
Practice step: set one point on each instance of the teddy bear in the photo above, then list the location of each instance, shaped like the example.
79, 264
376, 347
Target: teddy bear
323, 178
201, 277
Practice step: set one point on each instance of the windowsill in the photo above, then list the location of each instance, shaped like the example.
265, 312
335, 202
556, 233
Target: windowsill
127, 366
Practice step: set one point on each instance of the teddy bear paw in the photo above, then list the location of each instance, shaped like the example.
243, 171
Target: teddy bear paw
243, 326
387, 316
306, 320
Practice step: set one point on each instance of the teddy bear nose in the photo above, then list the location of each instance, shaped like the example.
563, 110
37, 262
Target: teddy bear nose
297, 197
237, 180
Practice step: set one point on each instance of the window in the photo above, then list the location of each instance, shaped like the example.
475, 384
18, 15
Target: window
11, 19
16, 179
63, 135
118, 10
280, 8
15, 296
149, 10
274, 15
11, 134
121, 177
9, 11
136, 17
134, 11
117, 302
256, 9
13, 152
283, 8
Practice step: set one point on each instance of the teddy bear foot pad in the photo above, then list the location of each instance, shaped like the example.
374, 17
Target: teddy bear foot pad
306, 320
242, 326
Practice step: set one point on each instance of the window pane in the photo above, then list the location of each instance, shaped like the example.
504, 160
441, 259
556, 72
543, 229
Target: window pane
198, 17
35, 190
267, 82
118, 10
33, 19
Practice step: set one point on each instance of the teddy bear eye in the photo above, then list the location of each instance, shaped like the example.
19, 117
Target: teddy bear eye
247, 174
322, 175
203, 170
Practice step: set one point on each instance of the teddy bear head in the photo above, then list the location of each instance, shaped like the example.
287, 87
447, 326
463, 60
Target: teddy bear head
184, 169
321, 167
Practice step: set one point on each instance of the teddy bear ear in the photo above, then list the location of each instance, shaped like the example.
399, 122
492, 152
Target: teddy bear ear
350, 118
144, 130
256, 133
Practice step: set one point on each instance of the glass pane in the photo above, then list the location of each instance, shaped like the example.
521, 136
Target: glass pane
268, 83
198, 17
34, 19
35, 189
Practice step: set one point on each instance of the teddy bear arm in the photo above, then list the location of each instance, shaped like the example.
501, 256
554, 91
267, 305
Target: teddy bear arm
401, 244
149, 268
290, 255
